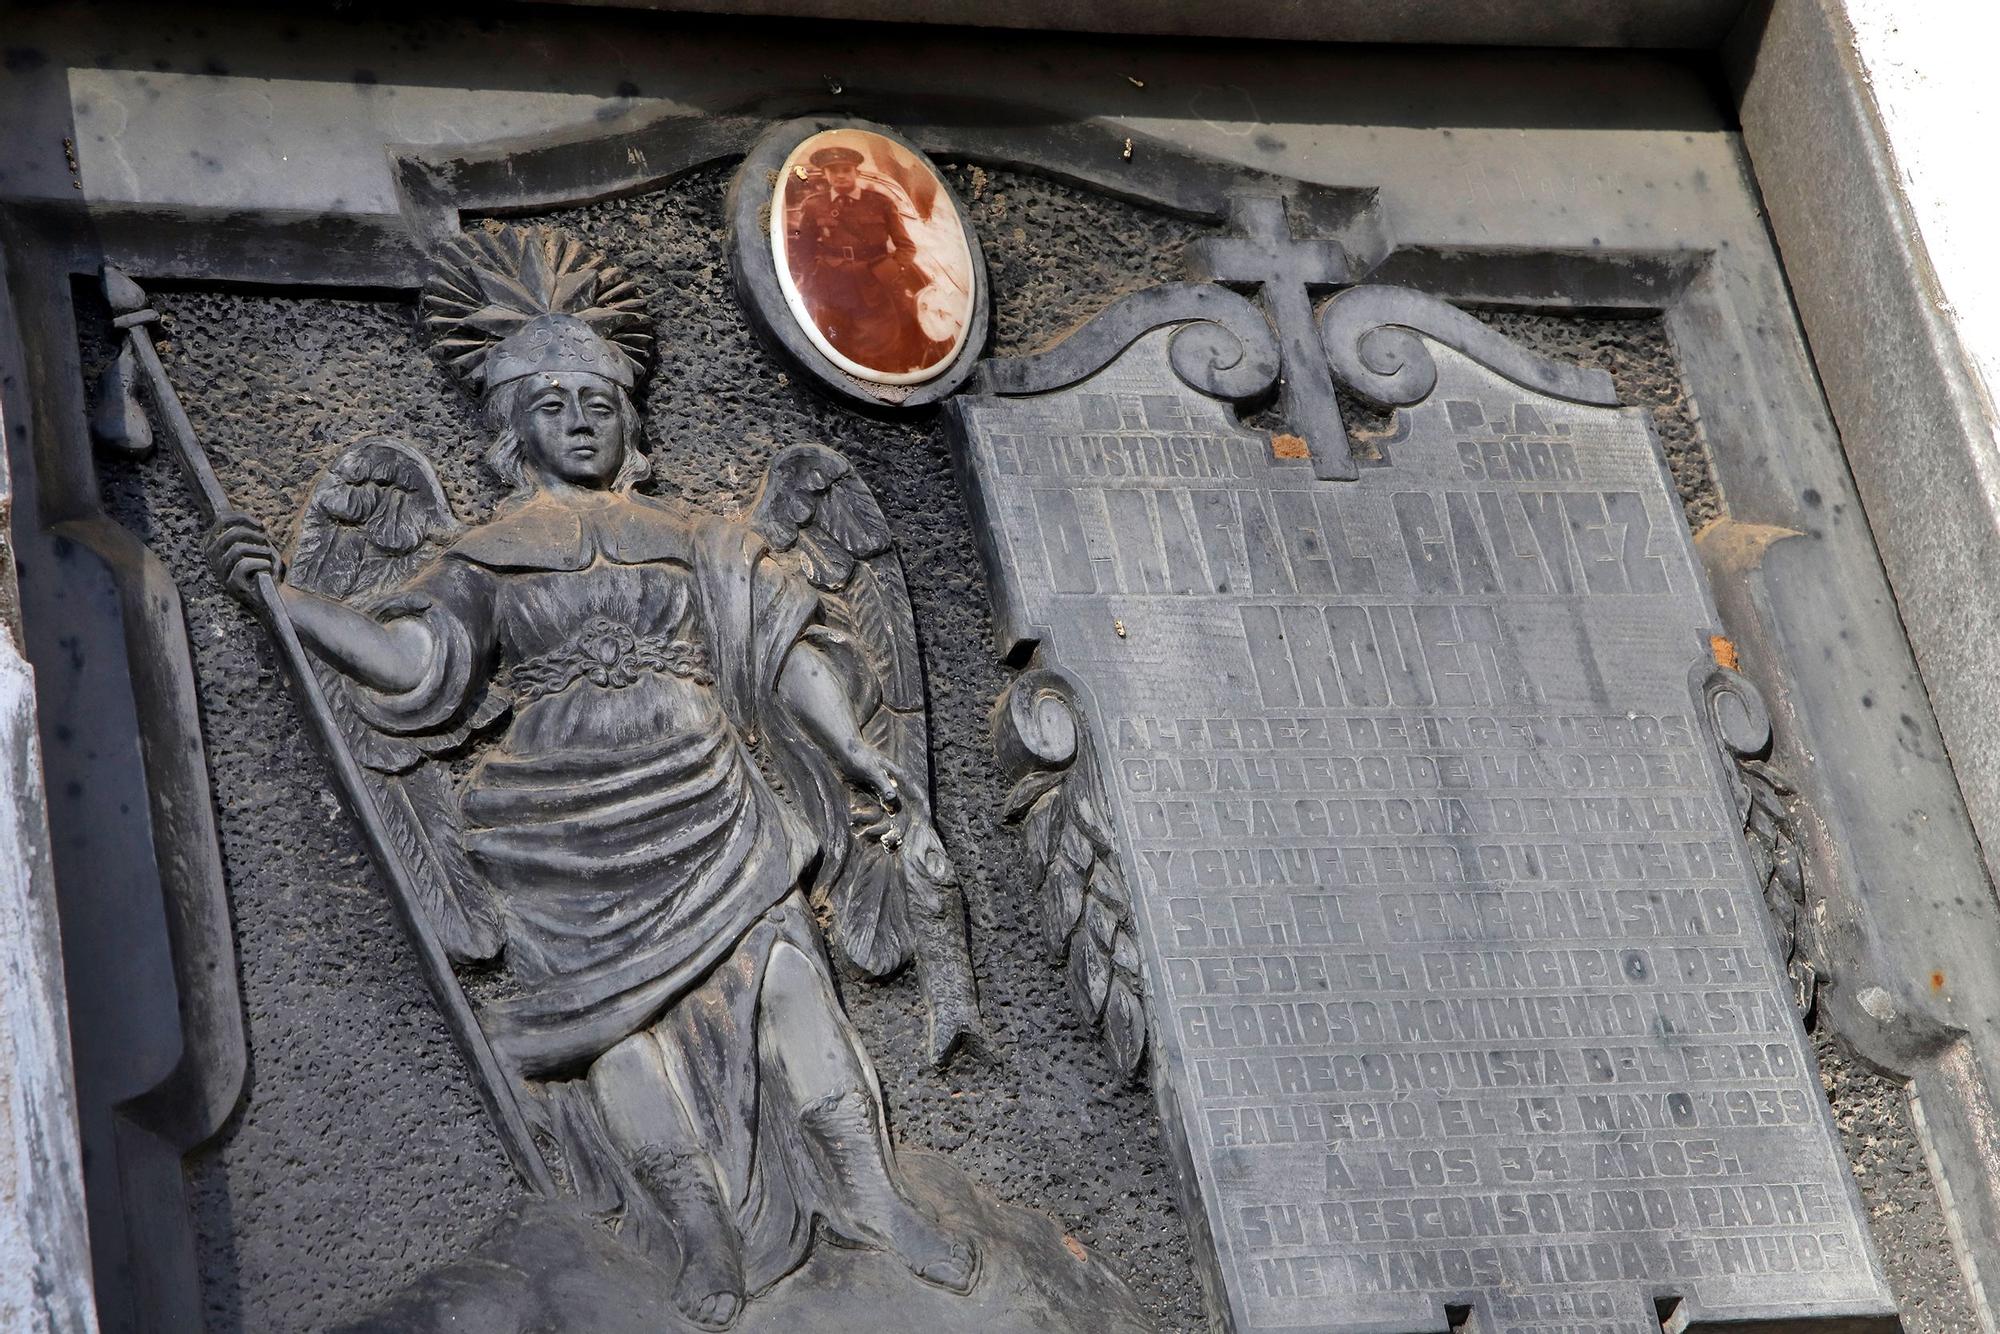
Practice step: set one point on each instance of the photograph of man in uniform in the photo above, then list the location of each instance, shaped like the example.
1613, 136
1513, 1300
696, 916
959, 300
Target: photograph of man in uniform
859, 272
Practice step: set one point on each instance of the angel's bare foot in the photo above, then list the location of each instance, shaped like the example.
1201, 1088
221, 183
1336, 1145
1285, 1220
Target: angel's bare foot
709, 1288
933, 1254
873, 1210
708, 1300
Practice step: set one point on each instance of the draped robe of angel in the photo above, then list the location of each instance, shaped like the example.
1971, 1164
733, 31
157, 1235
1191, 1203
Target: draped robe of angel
647, 875
628, 833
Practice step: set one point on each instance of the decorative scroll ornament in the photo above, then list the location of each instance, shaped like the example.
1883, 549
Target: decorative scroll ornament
1267, 253
1086, 904
1733, 713
1223, 349
1374, 339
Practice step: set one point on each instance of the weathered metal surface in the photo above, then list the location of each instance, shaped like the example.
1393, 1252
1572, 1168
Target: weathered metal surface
1461, 994
1918, 432
665, 1045
1557, 182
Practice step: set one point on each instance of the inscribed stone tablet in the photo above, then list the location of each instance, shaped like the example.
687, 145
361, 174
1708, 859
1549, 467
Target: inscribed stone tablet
1462, 1002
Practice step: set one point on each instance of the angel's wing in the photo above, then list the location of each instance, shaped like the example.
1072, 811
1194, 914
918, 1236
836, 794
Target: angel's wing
373, 519
822, 520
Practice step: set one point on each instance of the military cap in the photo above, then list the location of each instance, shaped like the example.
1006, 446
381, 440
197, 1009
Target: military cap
837, 156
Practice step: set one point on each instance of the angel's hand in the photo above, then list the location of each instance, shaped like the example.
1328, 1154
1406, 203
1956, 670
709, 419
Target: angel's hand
923, 847
888, 784
238, 550
908, 833
899, 807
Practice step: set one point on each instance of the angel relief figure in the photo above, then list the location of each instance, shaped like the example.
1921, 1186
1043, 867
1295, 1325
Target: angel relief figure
690, 710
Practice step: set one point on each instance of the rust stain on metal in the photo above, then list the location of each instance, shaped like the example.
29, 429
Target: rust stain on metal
1724, 651
1727, 545
1290, 447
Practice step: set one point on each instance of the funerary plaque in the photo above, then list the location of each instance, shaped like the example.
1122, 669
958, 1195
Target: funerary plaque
1462, 1006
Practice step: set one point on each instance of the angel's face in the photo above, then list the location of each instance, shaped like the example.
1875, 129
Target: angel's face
571, 428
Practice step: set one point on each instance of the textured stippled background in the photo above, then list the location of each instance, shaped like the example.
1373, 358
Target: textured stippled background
361, 1156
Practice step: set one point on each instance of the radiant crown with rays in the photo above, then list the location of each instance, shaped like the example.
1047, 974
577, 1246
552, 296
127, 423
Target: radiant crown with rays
505, 302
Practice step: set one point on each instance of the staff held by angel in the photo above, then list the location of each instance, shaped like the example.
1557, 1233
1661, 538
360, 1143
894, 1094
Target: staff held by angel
679, 721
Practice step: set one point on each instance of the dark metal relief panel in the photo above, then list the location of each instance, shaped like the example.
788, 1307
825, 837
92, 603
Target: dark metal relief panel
344, 1000
1382, 792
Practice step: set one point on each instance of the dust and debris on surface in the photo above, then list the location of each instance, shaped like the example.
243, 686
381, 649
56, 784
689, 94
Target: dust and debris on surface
361, 1156
1637, 352
1876, 1129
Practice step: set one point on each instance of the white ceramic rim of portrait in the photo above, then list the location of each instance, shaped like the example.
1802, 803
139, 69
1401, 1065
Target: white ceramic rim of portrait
795, 301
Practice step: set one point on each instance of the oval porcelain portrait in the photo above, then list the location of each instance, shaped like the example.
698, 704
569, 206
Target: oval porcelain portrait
872, 256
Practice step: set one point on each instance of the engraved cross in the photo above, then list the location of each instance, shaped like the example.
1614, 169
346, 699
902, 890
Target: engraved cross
1264, 253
